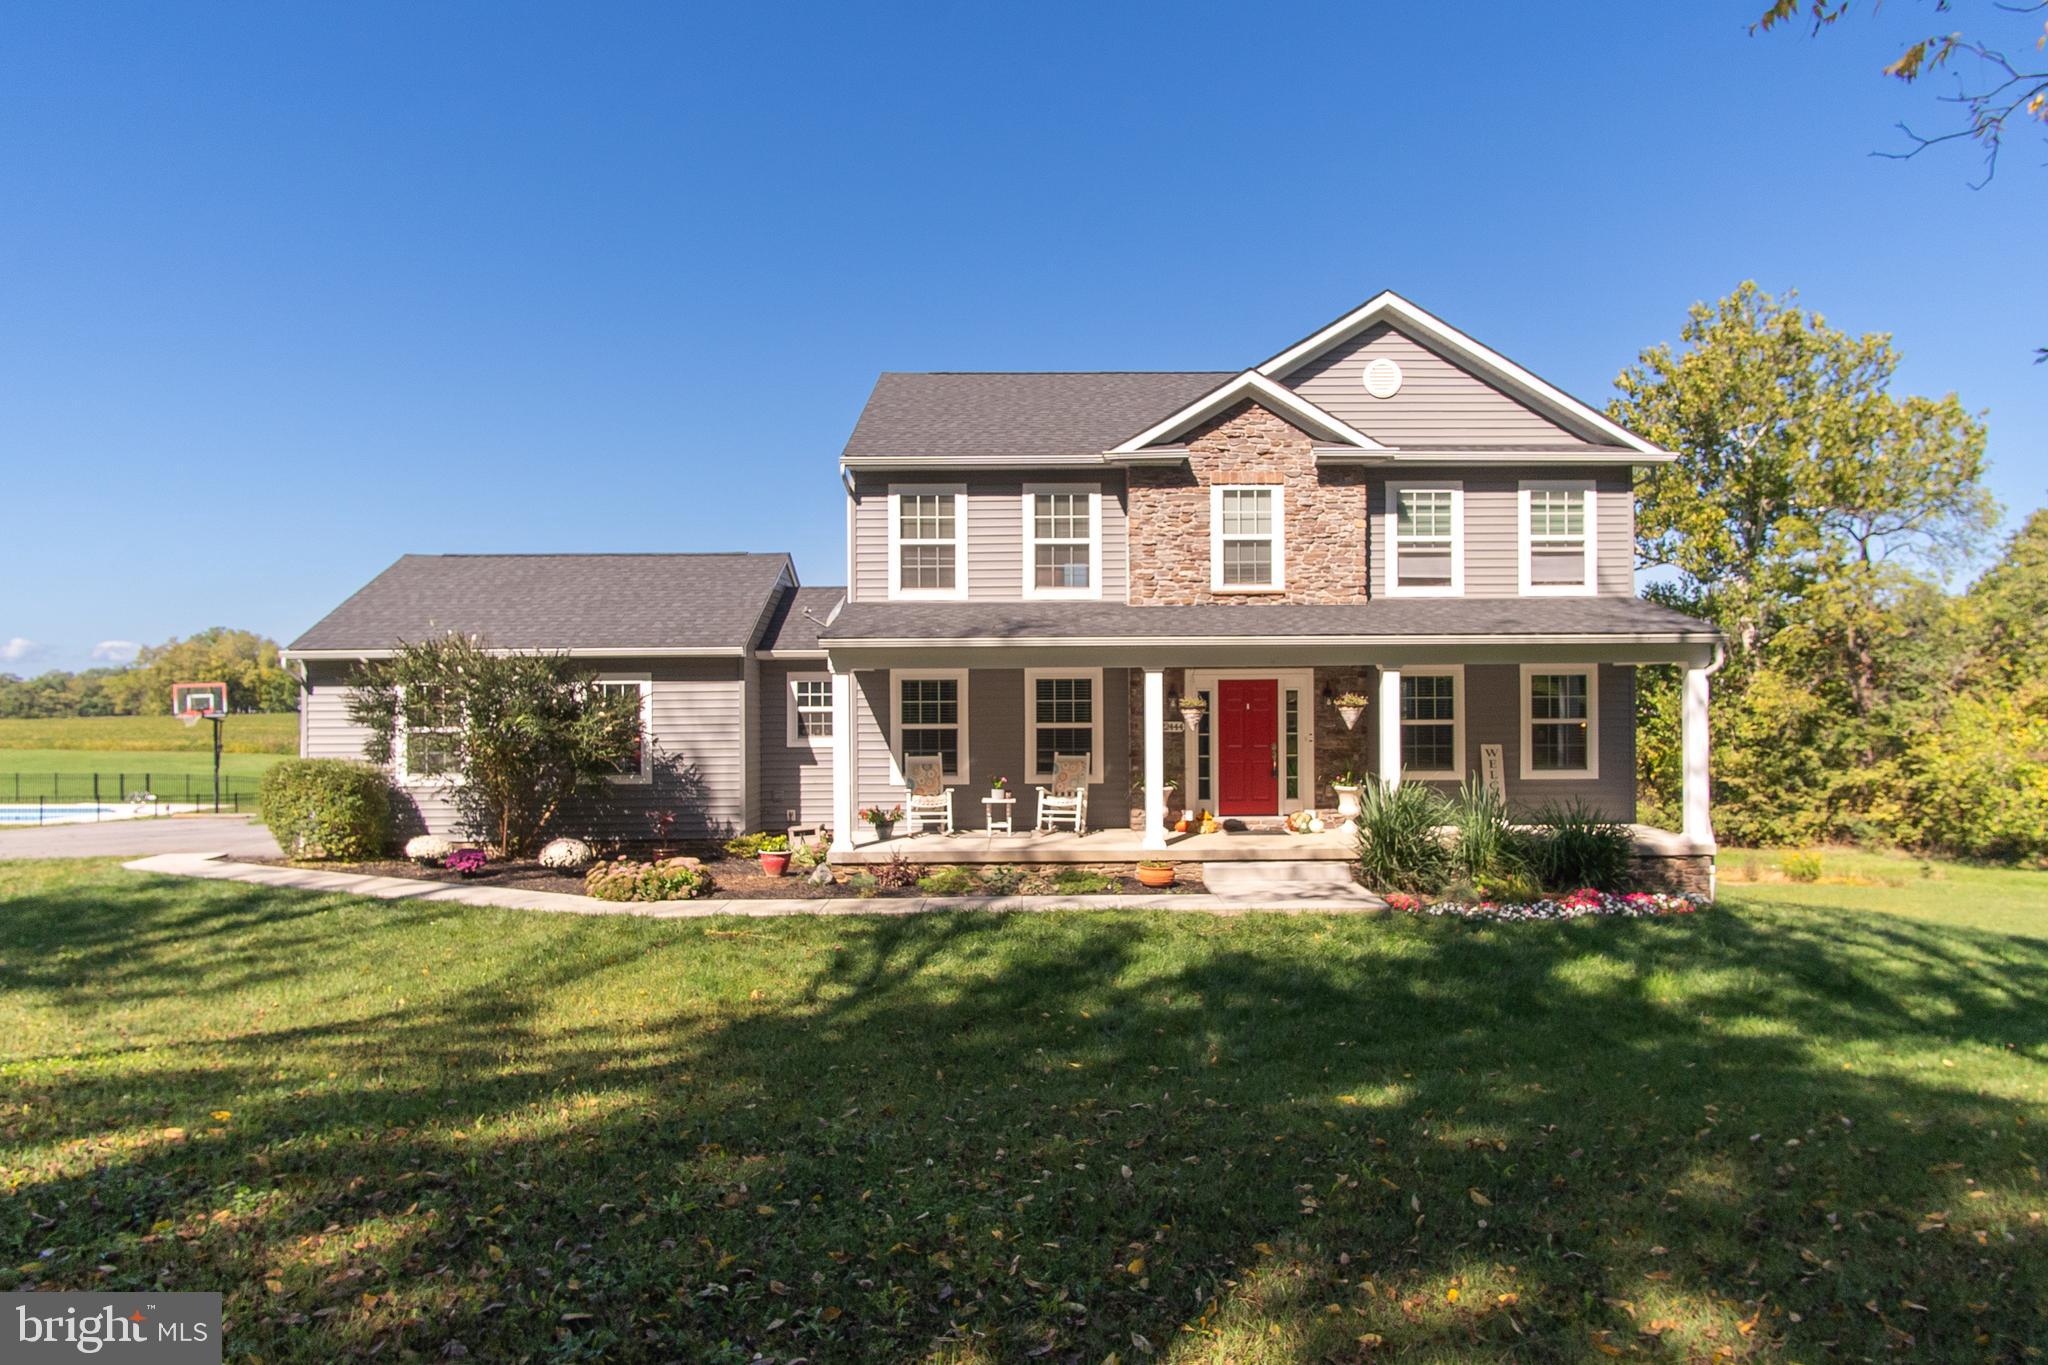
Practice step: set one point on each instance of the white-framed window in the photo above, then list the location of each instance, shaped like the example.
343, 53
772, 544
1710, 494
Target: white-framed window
929, 718
810, 711
1559, 554
1062, 540
429, 733
1560, 721
927, 540
640, 767
1062, 715
1433, 723
1425, 539
1247, 538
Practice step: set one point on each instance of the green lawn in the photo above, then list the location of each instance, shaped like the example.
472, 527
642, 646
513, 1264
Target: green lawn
154, 735
57, 758
1804, 1126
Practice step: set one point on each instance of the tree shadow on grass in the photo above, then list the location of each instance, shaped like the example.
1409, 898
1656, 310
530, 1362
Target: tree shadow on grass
988, 1136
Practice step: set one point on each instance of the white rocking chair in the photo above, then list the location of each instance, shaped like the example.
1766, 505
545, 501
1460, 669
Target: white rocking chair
1065, 802
931, 800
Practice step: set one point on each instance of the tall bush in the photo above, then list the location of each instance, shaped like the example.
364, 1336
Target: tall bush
1400, 846
1573, 846
327, 808
1487, 846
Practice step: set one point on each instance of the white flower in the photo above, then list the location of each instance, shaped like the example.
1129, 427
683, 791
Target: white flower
427, 848
566, 855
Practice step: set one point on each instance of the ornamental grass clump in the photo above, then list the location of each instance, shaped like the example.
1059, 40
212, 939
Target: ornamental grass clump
1400, 847
671, 879
1487, 846
1573, 845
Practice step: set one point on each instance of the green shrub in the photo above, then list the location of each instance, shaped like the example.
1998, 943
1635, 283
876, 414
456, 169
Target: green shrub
1508, 888
863, 884
754, 845
327, 808
1802, 867
1488, 845
1077, 881
671, 879
807, 854
948, 881
1574, 846
1001, 880
897, 873
1399, 846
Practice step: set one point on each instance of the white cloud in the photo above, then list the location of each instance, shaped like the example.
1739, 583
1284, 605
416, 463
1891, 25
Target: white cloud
19, 648
115, 651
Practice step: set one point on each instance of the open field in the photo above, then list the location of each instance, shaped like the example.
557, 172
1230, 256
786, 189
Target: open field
1805, 1125
132, 762
252, 734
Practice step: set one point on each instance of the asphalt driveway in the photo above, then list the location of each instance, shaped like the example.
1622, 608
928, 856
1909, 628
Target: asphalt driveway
236, 835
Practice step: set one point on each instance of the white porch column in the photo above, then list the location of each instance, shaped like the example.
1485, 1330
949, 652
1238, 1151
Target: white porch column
1390, 727
845, 774
1699, 824
1155, 759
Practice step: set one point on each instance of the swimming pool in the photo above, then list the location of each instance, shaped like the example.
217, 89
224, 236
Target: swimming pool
70, 813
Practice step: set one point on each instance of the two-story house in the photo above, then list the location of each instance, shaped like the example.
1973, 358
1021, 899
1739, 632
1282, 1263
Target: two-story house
1045, 564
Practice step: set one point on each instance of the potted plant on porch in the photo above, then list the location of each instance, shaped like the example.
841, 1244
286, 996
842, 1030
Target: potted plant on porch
1155, 872
1350, 705
883, 819
998, 788
1349, 787
1192, 709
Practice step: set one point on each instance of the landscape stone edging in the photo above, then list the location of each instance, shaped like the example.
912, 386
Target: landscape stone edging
217, 867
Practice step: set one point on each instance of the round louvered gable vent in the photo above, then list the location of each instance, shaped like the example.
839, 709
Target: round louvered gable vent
1382, 378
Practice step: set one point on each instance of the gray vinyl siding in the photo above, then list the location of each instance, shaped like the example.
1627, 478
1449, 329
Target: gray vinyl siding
1438, 401
697, 711
995, 534
995, 746
793, 777
1493, 715
1493, 534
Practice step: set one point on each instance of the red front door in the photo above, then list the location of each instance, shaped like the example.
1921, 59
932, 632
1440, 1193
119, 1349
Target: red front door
1247, 751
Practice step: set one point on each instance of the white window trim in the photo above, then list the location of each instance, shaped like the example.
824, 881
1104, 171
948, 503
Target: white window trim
646, 684
1029, 504
958, 492
1391, 535
1216, 583
1589, 773
1456, 673
399, 772
791, 739
1031, 677
897, 677
1526, 541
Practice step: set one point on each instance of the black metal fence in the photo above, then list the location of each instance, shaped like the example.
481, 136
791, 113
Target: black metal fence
237, 792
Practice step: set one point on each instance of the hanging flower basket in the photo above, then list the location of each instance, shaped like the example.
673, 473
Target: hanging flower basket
1192, 709
1350, 706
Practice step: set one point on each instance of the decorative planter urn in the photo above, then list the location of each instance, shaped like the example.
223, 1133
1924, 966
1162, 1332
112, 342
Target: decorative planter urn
1348, 807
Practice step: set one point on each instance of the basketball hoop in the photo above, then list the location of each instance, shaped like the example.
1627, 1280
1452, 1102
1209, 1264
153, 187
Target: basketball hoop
192, 702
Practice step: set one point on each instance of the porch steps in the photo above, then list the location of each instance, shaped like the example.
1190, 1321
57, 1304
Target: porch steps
1274, 883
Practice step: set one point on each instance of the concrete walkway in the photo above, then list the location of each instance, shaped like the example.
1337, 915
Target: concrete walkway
1281, 884
231, 835
219, 867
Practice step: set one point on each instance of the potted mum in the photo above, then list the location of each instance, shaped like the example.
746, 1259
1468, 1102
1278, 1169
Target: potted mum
1349, 786
883, 820
1350, 705
774, 854
1155, 872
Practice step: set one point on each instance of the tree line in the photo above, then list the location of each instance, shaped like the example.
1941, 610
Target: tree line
1818, 518
245, 661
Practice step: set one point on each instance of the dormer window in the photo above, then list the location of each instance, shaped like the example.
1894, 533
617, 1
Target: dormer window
1425, 539
1558, 553
1247, 538
927, 541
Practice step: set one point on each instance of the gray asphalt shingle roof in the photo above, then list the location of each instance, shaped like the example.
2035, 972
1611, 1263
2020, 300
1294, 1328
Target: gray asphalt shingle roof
790, 628
569, 601
1393, 616
1018, 416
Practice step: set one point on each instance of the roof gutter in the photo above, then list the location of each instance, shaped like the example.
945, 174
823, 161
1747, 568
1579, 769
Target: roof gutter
1216, 641
606, 652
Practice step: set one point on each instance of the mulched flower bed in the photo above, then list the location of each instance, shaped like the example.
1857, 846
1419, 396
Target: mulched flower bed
1584, 904
743, 879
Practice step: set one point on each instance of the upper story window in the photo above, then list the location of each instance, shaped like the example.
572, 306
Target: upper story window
928, 541
1247, 538
1425, 539
1560, 721
1062, 541
639, 765
1432, 723
810, 709
1557, 540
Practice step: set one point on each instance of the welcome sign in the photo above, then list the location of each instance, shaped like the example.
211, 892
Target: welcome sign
161, 1329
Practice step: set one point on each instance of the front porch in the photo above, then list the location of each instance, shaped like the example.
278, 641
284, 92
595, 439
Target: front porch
1100, 846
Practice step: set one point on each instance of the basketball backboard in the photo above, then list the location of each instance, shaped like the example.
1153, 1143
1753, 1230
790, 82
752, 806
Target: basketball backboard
190, 701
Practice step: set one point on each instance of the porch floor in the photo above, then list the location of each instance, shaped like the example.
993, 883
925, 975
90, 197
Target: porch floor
1121, 846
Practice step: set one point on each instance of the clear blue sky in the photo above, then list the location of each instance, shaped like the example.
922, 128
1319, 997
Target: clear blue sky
286, 290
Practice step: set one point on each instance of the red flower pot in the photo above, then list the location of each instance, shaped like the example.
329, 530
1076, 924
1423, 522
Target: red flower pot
775, 864
1155, 876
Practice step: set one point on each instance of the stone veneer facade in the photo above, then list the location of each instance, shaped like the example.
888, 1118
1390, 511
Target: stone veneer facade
1324, 514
